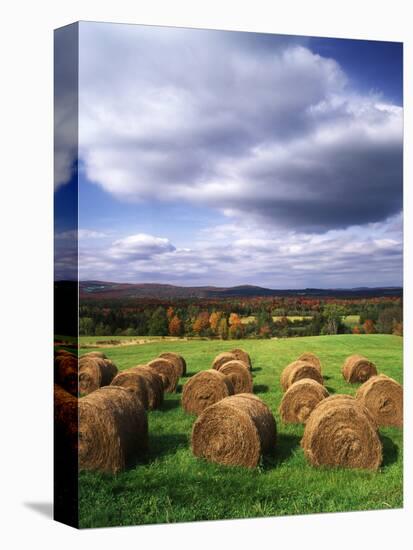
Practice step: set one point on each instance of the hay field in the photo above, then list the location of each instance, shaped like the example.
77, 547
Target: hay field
172, 485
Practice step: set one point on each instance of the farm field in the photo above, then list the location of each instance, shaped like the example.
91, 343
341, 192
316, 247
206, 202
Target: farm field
171, 485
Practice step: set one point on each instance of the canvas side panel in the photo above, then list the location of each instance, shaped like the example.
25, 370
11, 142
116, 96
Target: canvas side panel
66, 56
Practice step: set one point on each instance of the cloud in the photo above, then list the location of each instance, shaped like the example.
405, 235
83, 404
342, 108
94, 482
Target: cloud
73, 234
256, 127
139, 247
232, 254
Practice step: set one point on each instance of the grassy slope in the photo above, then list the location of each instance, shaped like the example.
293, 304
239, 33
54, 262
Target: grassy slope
171, 485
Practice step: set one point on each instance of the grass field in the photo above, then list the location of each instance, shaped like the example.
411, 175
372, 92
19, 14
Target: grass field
171, 485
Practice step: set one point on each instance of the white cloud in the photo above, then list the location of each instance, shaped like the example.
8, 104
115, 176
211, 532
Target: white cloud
245, 254
212, 119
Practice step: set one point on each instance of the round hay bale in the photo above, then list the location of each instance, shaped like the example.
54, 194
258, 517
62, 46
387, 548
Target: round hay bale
113, 429
300, 399
66, 352
297, 370
383, 397
242, 355
341, 432
357, 368
240, 376
135, 381
66, 372
154, 385
205, 388
236, 431
98, 354
167, 372
65, 420
222, 358
312, 358
177, 360
95, 373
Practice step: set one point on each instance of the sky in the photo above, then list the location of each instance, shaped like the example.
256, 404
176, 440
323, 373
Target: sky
227, 158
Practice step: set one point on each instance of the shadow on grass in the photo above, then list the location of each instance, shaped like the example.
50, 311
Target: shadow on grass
166, 444
390, 451
330, 390
256, 369
326, 377
170, 404
260, 388
286, 445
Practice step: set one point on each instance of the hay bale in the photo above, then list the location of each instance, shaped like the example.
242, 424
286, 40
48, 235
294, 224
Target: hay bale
341, 432
300, 399
154, 385
134, 381
98, 354
222, 358
312, 358
236, 431
66, 372
167, 372
240, 376
95, 373
357, 368
66, 352
65, 421
177, 360
205, 388
113, 429
297, 370
242, 355
383, 397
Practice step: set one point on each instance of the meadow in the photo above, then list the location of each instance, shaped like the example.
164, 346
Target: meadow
171, 485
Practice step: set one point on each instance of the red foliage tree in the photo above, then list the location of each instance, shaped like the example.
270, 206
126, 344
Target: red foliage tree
175, 326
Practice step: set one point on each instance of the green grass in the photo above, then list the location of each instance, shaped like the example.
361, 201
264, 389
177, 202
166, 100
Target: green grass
171, 485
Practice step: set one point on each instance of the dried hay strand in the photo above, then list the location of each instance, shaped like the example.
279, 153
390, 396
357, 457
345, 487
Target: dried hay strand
113, 429
236, 431
177, 360
297, 370
135, 381
300, 399
357, 368
204, 389
240, 376
94, 373
154, 385
242, 355
66, 372
383, 397
222, 358
167, 372
312, 358
341, 432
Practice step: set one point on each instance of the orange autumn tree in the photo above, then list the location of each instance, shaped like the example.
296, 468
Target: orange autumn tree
236, 328
175, 326
201, 322
356, 330
214, 319
170, 313
368, 327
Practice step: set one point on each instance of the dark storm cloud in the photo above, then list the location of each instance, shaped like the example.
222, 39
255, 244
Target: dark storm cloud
252, 125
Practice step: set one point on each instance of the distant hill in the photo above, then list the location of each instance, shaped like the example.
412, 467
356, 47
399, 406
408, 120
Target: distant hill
113, 291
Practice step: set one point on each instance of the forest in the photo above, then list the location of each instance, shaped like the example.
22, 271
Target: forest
235, 318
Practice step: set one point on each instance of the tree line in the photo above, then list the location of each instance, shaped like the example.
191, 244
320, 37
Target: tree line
241, 319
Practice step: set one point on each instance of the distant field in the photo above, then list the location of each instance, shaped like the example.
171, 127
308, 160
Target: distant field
171, 485
349, 320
